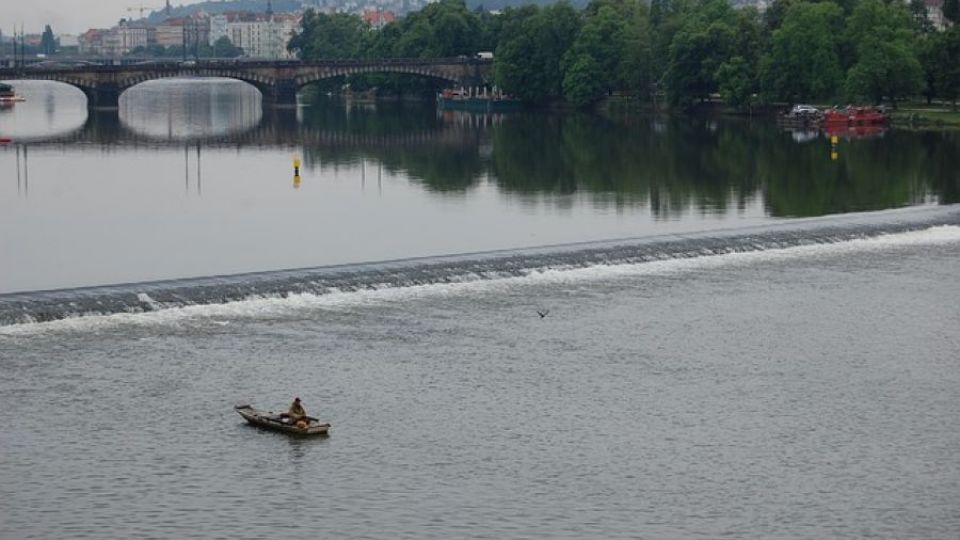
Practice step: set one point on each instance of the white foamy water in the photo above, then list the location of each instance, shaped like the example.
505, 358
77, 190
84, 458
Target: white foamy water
295, 305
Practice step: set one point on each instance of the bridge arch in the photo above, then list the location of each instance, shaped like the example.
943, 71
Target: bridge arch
264, 85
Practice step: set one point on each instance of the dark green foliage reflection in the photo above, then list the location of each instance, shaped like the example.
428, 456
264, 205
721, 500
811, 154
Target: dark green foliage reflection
674, 166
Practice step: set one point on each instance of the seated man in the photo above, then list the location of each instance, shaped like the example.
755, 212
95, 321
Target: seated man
296, 411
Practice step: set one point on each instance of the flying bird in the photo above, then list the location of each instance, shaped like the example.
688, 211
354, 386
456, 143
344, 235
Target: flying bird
543, 313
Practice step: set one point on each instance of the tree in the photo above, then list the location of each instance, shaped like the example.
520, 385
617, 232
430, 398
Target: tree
224, 48
48, 44
582, 83
887, 65
884, 69
951, 10
736, 82
636, 62
946, 72
601, 41
329, 36
697, 50
803, 60
529, 58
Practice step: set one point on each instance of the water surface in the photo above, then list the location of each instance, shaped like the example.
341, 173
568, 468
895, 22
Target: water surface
192, 178
743, 336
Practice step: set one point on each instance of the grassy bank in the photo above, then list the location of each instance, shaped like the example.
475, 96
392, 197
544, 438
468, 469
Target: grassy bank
926, 116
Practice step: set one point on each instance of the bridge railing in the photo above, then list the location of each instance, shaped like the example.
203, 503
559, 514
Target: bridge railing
167, 65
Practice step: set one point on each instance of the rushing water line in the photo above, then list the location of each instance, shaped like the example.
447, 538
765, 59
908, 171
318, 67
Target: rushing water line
292, 288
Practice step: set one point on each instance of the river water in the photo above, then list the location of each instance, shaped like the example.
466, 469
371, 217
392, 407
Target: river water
743, 336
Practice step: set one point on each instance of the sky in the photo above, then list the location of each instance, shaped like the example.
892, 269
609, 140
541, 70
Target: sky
71, 16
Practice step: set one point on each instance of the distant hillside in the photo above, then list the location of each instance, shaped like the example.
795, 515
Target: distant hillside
219, 6
280, 6
493, 5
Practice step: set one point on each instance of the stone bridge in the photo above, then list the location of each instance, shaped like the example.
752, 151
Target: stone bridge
278, 81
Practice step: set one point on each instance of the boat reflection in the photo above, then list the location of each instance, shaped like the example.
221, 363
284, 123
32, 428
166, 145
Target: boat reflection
854, 132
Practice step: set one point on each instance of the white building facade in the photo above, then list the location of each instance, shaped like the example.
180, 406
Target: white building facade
262, 38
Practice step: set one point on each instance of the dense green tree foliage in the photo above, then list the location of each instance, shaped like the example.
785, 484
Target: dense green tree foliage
951, 10
803, 62
887, 66
329, 36
224, 48
531, 51
689, 50
945, 65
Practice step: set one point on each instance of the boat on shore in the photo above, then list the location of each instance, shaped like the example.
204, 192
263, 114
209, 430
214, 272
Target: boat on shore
7, 95
281, 422
856, 116
477, 100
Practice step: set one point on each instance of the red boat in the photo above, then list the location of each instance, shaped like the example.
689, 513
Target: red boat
856, 116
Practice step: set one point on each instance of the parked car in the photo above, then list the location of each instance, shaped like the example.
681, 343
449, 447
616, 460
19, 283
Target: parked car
804, 110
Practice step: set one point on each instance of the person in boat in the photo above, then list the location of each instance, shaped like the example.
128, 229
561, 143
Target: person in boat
296, 411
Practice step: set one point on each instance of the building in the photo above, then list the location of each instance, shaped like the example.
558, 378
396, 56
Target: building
218, 27
68, 40
124, 38
378, 18
935, 14
90, 43
261, 35
170, 33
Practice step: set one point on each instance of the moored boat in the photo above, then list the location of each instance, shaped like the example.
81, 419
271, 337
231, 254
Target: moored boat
477, 100
7, 95
280, 422
856, 116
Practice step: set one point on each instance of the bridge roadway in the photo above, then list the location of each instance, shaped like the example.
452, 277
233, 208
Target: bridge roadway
278, 81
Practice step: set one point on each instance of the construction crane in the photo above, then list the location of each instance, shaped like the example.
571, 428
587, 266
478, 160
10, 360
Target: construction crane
141, 8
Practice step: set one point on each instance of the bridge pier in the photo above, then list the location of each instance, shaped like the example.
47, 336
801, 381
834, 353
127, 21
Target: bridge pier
283, 93
103, 96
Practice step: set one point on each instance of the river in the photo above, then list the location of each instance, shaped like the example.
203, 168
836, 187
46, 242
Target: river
744, 336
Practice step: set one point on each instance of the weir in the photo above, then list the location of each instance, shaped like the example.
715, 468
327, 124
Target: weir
43, 306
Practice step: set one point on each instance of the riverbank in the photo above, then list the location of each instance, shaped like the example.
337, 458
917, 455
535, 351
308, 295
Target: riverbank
938, 116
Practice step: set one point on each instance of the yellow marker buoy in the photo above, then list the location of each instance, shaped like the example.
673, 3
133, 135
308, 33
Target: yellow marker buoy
296, 172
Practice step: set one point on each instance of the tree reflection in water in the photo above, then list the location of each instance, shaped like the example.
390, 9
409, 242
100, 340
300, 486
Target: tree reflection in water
672, 165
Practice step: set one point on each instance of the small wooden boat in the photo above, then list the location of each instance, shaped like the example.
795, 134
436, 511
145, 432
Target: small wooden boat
280, 422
